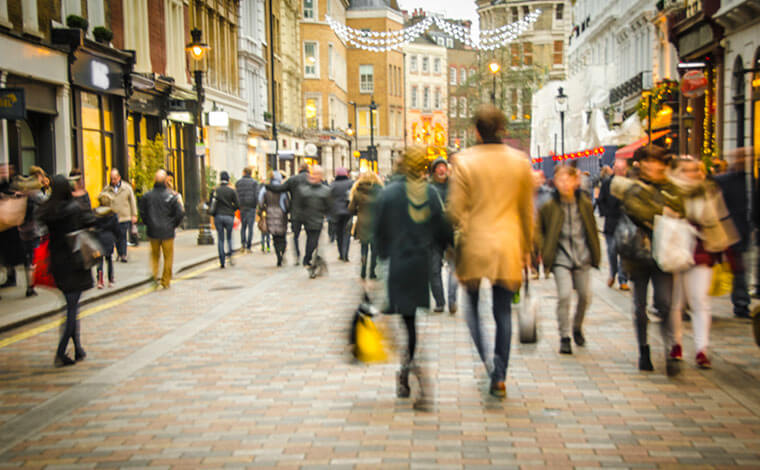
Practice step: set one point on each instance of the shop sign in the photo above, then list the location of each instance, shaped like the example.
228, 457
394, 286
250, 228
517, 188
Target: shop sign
218, 119
97, 74
200, 149
693, 84
12, 104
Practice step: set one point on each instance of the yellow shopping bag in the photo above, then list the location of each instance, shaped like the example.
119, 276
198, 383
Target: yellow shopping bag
722, 280
370, 347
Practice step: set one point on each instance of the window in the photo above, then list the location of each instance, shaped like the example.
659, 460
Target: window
310, 60
425, 64
527, 53
308, 9
453, 106
515, 15
449, 43
414, 97
426, 98
513, 103
440, 41
462, 75
364, 122
462, 107
526, 10
452, 75
437, 65
437, 99
526, 103
330, 61
514, 50
97, 140
472, 74
311, 112
558, 49
366, 78
559, 10
413, 63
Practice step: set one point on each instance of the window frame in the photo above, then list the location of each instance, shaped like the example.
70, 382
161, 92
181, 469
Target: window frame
362, 88
425, 66
437, 65
453, 106
453, 76
314, 10
315, 74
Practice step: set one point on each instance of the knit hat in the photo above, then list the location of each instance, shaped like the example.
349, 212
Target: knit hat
436, 162
224, 177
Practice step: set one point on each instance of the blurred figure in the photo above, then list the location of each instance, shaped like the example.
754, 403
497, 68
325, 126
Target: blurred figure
273, 207
32, 231
108, 229
313, 206
733, 185
491, 205
11, 246
224, 216
611, 209
248, 191
569, 242
439, 176
293, 186
125, 206
363, 198
162, 214
81, 196
63, 215
409, 225
340, 191
542, 193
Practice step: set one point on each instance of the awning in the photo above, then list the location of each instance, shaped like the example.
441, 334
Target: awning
628, 150
285, 155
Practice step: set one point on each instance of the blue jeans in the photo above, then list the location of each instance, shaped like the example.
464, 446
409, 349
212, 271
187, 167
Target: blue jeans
502, 315
616, 266
224, 224
265, 239
247, 218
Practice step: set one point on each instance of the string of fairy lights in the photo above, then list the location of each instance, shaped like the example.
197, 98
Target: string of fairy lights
384, 41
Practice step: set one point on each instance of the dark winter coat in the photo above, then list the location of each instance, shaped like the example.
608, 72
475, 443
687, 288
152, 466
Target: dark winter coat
292, 186
550, 220
610, 207
61, 219
409, 246
313, 205
340, 191
276, 218
247, 191
363, 198
11, 248
107, 229
161, 212
227, 201
733, 185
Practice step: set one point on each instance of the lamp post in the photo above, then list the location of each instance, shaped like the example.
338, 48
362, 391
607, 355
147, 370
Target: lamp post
494, 67
197, 51
350, 133
560, 104
373, 153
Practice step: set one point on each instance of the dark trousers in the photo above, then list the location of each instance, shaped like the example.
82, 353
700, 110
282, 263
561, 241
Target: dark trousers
411, 336
247, 218
109, 262
373, 260
70, 328
280, 243
436, 281
662, 284
739, 292
296, 227
312, 240
224, 224
502, 315
121, 239
343, 235
29, 247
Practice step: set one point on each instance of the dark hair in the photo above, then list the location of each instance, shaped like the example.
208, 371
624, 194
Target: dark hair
170, 173
60, 190
490, 123
247, 171
75, 173
651, 152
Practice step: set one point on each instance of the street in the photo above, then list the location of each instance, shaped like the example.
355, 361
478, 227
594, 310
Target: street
248, 366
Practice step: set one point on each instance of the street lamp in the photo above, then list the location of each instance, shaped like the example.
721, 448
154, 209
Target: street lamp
560, 105
356, 123
350, 134
197, 50
373, 153
494, 67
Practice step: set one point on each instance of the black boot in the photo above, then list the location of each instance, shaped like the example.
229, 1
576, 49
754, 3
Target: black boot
364, 269
402, 386
645, 362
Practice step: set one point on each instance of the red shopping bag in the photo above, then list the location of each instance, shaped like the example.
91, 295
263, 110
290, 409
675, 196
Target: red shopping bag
41, 263
236, 221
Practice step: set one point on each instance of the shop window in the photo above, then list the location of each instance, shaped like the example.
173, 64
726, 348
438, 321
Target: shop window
364, 122
28, 147
97, 140
175, 139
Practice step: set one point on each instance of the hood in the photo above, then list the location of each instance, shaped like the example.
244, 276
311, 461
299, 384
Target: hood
436, 162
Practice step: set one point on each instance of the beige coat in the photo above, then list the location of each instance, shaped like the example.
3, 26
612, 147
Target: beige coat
124, 203
491, 206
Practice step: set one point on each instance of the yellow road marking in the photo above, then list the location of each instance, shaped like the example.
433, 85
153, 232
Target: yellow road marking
96, 309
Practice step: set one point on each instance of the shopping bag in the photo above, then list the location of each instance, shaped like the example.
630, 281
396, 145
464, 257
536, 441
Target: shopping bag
41, 263
673, 244
527, 312
722, 280
85, 247
134, 236
367, 340
12, 212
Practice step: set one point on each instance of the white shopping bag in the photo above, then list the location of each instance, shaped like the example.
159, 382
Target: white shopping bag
673, 244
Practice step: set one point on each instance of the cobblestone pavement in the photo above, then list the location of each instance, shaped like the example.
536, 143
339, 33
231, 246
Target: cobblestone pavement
247, 367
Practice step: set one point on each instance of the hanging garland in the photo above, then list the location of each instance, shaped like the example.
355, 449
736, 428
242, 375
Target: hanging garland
383, 41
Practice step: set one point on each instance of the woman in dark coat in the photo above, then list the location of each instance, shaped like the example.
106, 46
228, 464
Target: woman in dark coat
363, 197
409, 224
63, 215
274, 208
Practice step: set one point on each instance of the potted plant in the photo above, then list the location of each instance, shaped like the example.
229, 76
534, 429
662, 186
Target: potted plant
76, 21
102, 34
267, 116
149, 158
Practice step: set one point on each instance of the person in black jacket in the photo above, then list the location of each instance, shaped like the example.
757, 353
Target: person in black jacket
341, 216
108, 231
611, 209
227, 203
248, 192
162, 213
313, 206
292, 185
63, 215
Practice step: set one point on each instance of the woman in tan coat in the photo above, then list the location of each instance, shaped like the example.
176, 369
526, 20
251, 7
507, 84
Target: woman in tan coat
491, 207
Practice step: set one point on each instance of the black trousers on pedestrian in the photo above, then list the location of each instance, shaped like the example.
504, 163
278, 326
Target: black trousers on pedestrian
121, 240
373, 260
280, 244
312, 240
343, 234
296, 226
71, 326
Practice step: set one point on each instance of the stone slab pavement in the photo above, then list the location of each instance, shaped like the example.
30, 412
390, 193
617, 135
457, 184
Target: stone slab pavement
248, 367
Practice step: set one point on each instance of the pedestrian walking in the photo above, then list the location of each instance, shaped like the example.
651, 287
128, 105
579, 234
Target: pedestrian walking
63, 215
32, 231
11, 245
248, 192
410, 224
162, 214
340, 193
644, 196
363, 198
292, 186
108, 229
569, 241
439, 180
81, 196
273, 209
611, 209
225, 203
491, 206
313, 206
125, 206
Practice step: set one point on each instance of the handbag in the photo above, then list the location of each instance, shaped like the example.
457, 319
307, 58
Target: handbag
41, 262
262, 223
85, 247
366, 338
134, 236
212, 204
673, 244
12, 212
722, 280
631, 241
